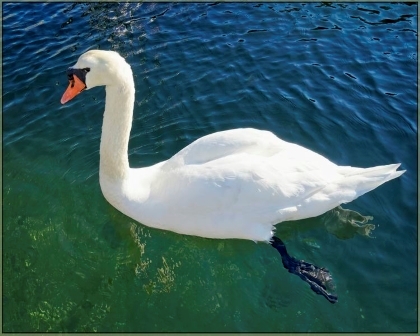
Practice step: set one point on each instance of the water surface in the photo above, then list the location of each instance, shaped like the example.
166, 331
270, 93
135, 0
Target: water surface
340, 79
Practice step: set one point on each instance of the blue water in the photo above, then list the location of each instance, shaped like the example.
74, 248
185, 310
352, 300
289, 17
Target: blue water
340, 79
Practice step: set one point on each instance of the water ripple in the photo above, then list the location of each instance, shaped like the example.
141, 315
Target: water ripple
339, 78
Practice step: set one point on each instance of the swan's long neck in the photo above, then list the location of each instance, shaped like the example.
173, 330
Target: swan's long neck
116, 128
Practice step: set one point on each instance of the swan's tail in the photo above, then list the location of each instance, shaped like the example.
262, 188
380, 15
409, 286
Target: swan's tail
363, 180
354, 182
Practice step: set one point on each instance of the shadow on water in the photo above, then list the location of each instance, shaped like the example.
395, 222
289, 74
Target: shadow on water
342, 223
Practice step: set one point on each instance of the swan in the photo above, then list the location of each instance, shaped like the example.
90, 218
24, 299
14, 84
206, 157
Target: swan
237, 183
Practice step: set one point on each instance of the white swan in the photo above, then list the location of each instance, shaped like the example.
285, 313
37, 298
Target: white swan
231, 184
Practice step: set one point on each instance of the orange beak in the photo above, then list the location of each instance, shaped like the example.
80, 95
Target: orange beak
75, 87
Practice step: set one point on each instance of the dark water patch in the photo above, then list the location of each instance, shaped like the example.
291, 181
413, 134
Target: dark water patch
256, 31
370, 11
327, 4
288, 10
160, 14
308, 40
70, 20
402, 18
350, 75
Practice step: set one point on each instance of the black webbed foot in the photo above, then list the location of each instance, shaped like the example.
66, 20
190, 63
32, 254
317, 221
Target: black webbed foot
319, 279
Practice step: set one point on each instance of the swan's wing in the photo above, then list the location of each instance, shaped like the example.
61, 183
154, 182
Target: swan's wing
242, 180
222, 144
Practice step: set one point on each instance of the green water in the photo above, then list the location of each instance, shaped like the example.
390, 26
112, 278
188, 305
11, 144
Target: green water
340, 79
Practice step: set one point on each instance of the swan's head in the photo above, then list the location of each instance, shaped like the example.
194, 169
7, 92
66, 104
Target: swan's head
96, 68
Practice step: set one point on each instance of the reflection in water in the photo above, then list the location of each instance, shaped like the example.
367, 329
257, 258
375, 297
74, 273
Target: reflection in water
342, 223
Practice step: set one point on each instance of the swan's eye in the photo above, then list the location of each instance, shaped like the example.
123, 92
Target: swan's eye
79, 73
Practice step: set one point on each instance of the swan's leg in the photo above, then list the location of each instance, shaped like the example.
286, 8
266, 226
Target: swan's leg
318, 278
